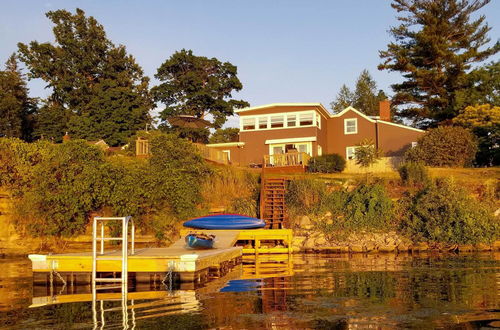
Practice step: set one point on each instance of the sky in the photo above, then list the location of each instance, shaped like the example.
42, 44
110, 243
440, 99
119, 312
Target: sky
285, 51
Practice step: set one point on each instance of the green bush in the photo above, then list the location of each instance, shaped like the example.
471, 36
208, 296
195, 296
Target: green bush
58, 187
444, 146
326, 164
413, 173
443, 212
305, 196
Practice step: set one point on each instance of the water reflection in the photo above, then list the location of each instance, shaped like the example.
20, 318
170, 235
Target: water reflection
309, 291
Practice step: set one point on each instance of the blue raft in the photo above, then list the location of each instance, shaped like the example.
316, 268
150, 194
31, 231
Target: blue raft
225, 221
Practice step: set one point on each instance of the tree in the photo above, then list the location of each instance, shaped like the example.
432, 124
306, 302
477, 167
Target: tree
444, 146
366, 153
365, 97
16, 107
344, 99
434, 49
483, 88
97, 88
197, 86
223, 135
484, 122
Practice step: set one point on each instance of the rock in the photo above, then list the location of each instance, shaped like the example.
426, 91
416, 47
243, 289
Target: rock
305, 221
403, 247
387, 248
422, 246
309, 243
465, 248
320, 241
482, 247
356, 248
298, 241
369, 247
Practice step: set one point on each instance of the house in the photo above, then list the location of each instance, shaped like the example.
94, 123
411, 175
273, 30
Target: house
289, 133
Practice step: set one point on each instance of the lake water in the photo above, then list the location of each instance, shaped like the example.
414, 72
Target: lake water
383, 291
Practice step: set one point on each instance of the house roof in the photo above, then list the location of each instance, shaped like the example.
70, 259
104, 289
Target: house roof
319, 106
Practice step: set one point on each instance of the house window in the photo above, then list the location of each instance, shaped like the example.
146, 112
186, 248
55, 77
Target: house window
306, 119
277, 121
320, 150
228, 152
351, 126
262, 122
350, 153
414, 144
291, 120
248, 123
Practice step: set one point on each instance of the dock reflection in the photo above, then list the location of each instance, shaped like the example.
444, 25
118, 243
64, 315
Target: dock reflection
265, 275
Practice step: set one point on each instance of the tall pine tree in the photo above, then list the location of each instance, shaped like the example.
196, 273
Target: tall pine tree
16, 107
365, 97
435, 46
99, 91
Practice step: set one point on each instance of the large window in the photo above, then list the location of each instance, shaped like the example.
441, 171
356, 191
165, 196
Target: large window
280, 120
351, 126
306, 119
277, 121
248, 123
262, 122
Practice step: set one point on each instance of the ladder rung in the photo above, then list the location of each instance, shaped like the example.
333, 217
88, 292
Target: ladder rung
106, 287
109, 280
109, 239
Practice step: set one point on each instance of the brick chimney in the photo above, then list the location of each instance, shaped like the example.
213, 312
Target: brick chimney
385, 110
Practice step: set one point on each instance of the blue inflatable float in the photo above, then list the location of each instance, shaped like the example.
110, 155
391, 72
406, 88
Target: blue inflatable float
225, 221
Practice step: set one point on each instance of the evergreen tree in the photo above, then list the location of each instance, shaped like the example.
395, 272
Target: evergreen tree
365, 97
99, 91
344, 99
484, 87
197, 86
434, 48
16, 107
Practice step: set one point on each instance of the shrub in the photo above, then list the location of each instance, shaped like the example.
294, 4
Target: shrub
413, 173
305, 196
444, 212
326, 163
444, 146
367, 154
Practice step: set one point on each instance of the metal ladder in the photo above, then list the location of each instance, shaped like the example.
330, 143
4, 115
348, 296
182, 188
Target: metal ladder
99, 225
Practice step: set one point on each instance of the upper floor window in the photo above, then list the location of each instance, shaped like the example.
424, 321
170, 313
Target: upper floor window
248, 123
351, 126
277, 121
280, 120
306, 119
262, 122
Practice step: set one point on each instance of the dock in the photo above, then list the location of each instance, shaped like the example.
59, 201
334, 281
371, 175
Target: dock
177, 262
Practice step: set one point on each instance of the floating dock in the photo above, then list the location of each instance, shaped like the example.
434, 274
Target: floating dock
177, 261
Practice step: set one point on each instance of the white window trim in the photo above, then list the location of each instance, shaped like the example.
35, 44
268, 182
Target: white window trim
355, 125
353, 152
285, 122
228, 152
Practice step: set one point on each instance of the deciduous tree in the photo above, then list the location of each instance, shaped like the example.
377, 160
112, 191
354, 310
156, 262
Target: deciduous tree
197, 86
98, 84
435, 46
223, 135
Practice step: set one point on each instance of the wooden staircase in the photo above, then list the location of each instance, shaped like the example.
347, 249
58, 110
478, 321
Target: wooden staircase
272, 202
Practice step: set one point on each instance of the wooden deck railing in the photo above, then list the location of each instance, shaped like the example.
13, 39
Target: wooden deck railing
288, 159
212, 154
